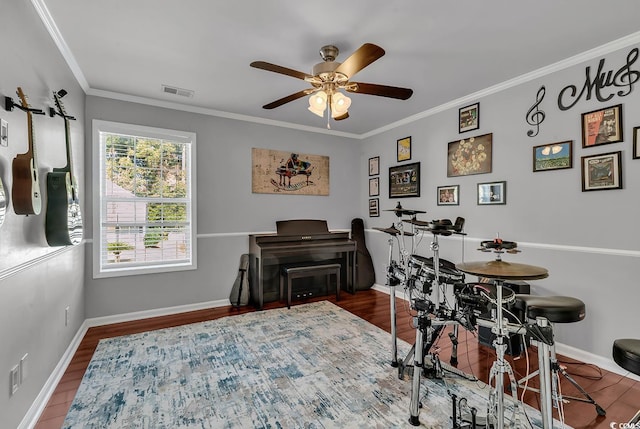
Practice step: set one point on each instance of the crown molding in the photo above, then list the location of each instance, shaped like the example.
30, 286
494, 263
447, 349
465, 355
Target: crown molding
212, 112
536, 74
55, 34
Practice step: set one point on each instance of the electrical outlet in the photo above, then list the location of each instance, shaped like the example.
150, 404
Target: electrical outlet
66, 316
14, 379
23, 368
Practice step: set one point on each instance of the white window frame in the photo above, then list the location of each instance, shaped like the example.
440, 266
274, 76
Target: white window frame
100, 126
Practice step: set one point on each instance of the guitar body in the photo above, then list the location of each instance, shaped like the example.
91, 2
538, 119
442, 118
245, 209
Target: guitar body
63, 222
25, 192
364, 264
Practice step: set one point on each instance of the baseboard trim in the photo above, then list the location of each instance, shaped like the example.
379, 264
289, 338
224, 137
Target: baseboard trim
146, 314
607, 364
385, 289
37, 407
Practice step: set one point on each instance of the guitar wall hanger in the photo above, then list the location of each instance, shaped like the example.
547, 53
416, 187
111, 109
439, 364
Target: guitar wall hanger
9, 104
53, 112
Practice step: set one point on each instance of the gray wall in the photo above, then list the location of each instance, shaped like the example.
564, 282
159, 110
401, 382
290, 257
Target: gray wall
227, 210
587, 240
37, 282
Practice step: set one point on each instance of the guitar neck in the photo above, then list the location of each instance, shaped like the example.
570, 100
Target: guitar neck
67, 133
31, 152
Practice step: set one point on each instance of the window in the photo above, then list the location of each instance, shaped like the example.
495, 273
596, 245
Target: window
144, 218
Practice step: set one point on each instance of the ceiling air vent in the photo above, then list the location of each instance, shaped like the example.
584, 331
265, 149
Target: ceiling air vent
177, 91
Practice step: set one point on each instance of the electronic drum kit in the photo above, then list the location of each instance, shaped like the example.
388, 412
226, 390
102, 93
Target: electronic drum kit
425, 281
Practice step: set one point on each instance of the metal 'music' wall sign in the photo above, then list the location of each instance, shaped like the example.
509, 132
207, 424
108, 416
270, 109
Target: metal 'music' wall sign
625, 77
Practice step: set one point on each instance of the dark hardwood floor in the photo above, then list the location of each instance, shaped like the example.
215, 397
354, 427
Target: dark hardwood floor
616, 394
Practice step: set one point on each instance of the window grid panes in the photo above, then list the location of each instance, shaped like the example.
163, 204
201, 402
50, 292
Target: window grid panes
145, 204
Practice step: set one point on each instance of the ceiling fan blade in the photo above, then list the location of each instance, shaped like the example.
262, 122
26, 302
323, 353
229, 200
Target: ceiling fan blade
279, 69
381, 90
341, 117
365, 55
286, 99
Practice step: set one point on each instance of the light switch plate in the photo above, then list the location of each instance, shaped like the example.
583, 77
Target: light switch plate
14, 379
23, 368
4, 133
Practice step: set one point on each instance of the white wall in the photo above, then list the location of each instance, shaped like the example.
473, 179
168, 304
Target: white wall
227, 210
37, 282
587, 240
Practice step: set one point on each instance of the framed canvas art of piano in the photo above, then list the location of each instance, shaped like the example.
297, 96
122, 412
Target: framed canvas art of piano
279, 172
297, 242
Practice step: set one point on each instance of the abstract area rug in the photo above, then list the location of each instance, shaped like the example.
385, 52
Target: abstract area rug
313, 366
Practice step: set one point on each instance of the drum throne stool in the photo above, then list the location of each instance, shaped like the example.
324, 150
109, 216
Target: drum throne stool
547, 310
626, 353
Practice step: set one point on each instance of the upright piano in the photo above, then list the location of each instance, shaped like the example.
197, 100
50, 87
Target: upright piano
297, 242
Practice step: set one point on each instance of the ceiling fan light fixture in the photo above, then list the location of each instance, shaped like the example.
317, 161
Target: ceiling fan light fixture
318, 103
329, 76
339, 104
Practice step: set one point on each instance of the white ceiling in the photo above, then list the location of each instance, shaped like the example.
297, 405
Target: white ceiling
446, 51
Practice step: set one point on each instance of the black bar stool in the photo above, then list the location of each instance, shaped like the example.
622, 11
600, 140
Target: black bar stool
626, 353
547, 310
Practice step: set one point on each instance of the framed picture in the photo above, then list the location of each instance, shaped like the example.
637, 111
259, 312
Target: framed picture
448, 195
404, 181
275, 172
469, 118
374, 211
602, 126
553, 156
470, 156
374, 187
404, 149
636, 143
374, 166
492, 193
603, 171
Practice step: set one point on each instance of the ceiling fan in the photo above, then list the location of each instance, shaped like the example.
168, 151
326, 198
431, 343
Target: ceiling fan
331, 76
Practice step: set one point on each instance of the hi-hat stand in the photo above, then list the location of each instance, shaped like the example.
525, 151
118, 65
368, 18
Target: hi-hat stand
500, 271
499, 368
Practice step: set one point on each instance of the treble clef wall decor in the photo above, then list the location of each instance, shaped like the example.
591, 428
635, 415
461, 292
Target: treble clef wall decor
535, 116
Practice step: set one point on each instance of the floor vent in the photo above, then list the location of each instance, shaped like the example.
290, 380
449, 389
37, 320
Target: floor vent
177, 91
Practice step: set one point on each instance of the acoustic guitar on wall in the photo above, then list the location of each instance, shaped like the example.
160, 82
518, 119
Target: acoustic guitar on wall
63, 224
25, 192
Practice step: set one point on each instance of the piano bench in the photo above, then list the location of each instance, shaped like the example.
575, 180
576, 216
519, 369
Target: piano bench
287, 274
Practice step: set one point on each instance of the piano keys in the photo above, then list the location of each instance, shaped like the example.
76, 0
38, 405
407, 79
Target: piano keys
297, 242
